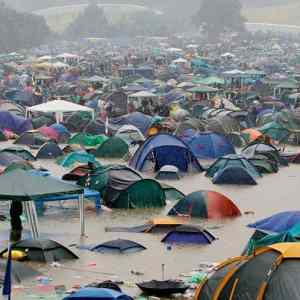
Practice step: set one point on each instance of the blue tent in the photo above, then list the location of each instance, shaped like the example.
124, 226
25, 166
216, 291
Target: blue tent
139, 120
49, 150
97, 294
280, 222
165, 149
210, 145
234, 175
187, 234
15, 123
60, 128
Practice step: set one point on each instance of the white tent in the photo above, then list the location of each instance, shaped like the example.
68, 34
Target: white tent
143, 94
59, 107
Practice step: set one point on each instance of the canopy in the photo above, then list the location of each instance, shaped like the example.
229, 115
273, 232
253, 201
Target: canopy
23, 186
59, 107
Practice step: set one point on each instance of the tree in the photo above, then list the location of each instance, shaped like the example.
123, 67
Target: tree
218, 16
21, 30
91, 23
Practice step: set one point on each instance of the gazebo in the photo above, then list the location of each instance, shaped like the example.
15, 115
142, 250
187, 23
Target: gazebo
59, 108
20, 185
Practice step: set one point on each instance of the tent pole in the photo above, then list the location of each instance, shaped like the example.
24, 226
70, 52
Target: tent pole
35, 219
81, 213
29, 217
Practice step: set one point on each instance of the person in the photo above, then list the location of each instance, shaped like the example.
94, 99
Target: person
16, 210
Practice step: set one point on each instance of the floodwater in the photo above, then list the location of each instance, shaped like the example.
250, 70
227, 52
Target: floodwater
274, 193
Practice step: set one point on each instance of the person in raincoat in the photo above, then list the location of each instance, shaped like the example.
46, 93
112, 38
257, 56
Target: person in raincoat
16, 211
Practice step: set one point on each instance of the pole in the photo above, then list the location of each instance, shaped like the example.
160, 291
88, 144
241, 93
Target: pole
81, 213
29, 217
35, 219
163, 272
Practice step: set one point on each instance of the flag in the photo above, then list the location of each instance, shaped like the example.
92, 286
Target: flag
7, 277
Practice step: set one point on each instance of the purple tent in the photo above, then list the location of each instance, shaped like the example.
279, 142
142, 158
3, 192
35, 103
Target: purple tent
14, 123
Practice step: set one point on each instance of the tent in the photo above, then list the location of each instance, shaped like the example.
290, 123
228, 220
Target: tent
7, 159
223, 125
114, 147
279, 222
79, 156
251, 135
205, 204
232, 161
130, 134
77, 121
3, 137
266, 239
270, 274
139, 120
165, 149
275, 131
59, 108
189, 234
87, 140
97, 294
210, 145
263, 164
31, 138
143, 193
48, 151
234, 175
168, 173
14, 123
118, 246
57, 132
41, 250
21, 152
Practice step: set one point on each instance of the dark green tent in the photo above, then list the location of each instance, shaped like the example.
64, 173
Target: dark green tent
19, 151
87, 140
115, 147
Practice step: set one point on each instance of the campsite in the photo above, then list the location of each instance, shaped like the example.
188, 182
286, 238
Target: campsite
162, 167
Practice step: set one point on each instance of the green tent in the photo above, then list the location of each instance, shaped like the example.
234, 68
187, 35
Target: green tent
19, 151
18, 165
275, 131
211, 80
145, 193
87, 140
21, 185
74, 157
266, 239
114, 147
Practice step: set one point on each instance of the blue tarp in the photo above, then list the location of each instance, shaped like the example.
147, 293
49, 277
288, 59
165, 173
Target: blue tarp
15, 123
165, 150
280, 222
210, 145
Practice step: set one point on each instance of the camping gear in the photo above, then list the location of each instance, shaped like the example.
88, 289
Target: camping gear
207, 145
97, 294
114, 147
31, 138
205, 204
49, 150
259, 276
188, 234
76, 157
232, 160
168, 173
279, 222
163, 288
118, 246
234, 175
40, 250
165, 149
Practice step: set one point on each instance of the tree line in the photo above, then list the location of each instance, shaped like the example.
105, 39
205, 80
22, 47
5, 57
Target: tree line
25, 30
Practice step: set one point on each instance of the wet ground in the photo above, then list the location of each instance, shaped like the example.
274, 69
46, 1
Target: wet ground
274, 193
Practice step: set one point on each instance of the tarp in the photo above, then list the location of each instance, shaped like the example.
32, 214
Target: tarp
23, 186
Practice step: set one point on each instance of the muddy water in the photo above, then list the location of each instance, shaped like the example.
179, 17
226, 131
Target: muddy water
274, 193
